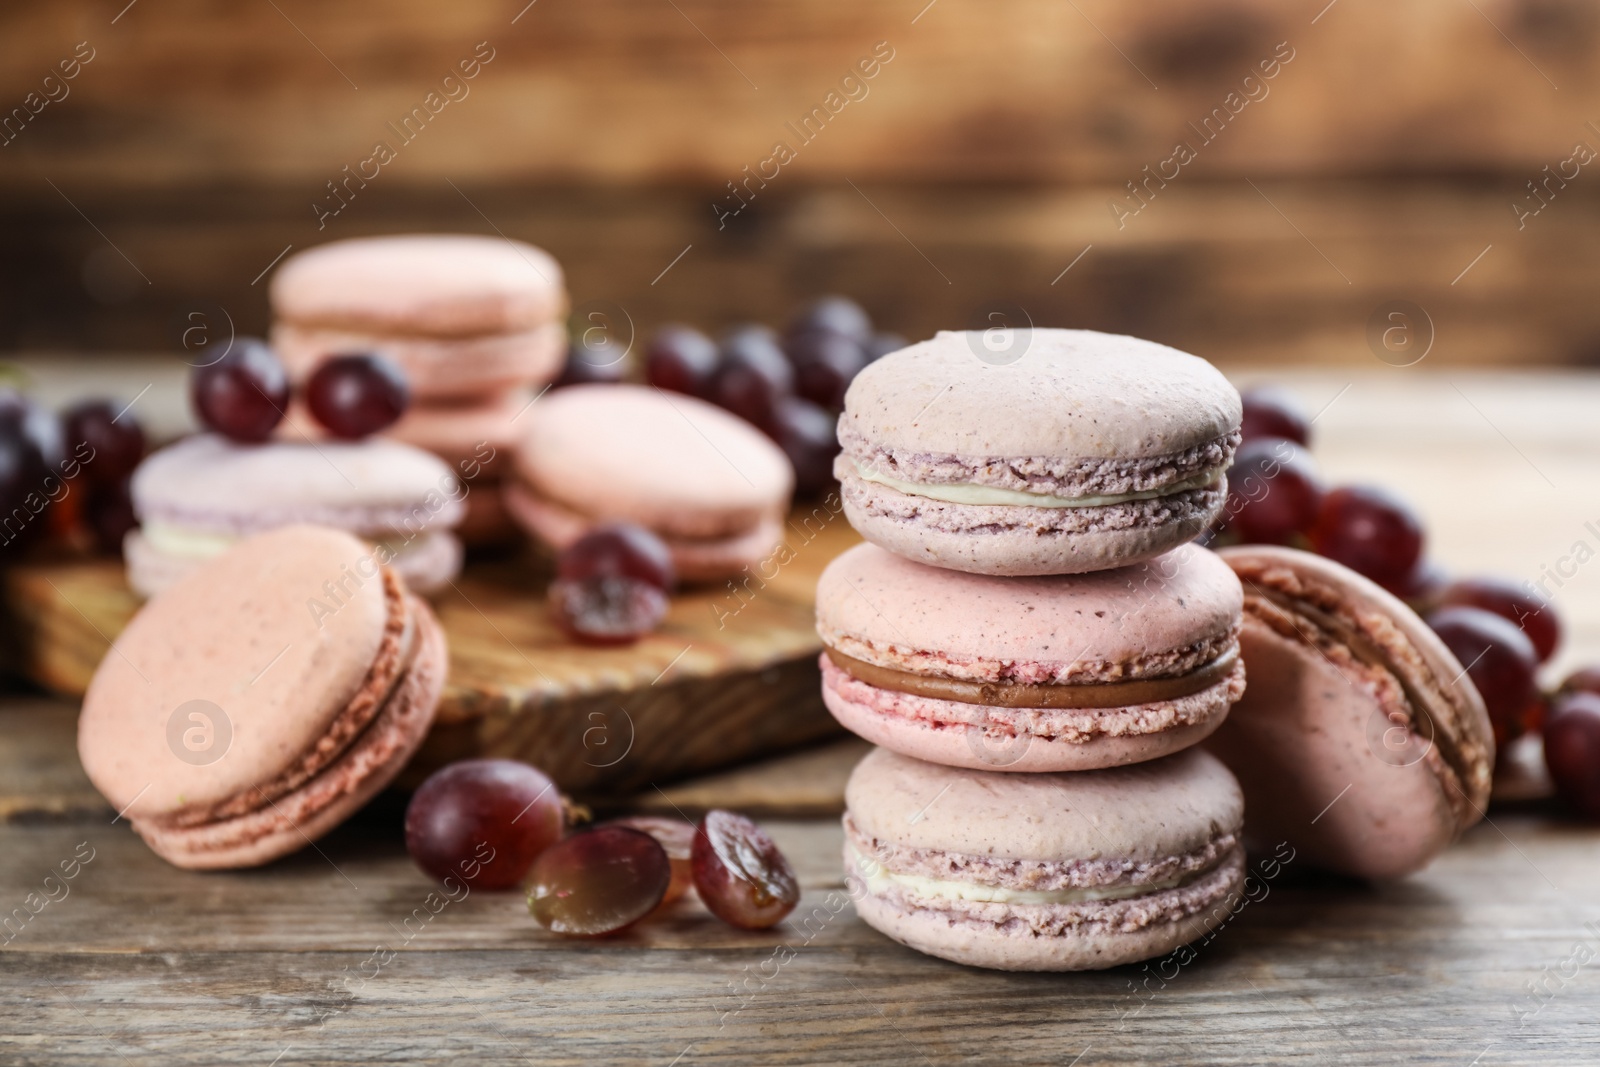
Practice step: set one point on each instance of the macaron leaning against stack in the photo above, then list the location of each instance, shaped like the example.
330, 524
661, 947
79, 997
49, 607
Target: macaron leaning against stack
710, 484
462, 315
262, 699
1361, 741
1073, 452
1036, 674
1044, 872
196, 498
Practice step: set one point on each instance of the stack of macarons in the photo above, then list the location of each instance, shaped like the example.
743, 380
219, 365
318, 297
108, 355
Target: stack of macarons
476, 324
1037, 646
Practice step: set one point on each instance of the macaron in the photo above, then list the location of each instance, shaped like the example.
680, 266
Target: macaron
1044, 872
1361, 741
196, 498
1045, 452
426, 285
1042, 674
262, 699
710, 484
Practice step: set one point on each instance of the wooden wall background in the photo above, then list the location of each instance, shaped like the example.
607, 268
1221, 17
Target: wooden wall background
1384, 160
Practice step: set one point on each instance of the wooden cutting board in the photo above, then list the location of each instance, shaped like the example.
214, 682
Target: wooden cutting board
731, 673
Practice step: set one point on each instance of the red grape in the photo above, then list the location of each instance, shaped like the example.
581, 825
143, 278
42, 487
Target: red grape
809, 436
1371, 531
598, 881
1582, 680
1498, 658
1536, 617
1274, 491
754, 375
1270, 411
483, 822
618, 549
1572, 751
676, 836
244, 394
357, 395
681, 359
832, 314
109, 514
740, 874
881, 344
824, 366
117, 443
612, 610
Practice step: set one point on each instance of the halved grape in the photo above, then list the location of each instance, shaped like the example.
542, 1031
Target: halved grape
676, 836
483, 822
598, 881
610, 610
740, 874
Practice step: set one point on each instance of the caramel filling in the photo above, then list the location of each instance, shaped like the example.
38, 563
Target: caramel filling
1025, 695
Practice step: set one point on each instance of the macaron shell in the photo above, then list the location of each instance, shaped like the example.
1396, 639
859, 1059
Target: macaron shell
444, 285
1071, 393
1316, 750
1299, 744
373, 486
1144, 812
341, 789
459, 369
1019, 540
239, 633
675, 464
1095, 945
971, 746
895, 606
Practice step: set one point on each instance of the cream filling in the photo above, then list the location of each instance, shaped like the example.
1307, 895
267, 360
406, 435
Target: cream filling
969, 493
186, 543
879, 878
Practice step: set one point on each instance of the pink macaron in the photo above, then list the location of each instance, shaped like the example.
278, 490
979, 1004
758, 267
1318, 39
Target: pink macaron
196, 498
262, 699
462, 315
712, 485
1036, 451
1041, 674
1044, 872
1361, 741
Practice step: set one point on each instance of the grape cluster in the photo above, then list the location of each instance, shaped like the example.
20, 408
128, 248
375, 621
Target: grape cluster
1500, 631
790, 385
66, 476
496, 823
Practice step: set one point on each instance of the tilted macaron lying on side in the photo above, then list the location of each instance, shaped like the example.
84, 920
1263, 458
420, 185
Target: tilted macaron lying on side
1360, 741
1043, 872
1030, 674
710, 484
196, 498
262, 699
1084, 451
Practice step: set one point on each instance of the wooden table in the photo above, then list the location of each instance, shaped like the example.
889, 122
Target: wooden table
332, 955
